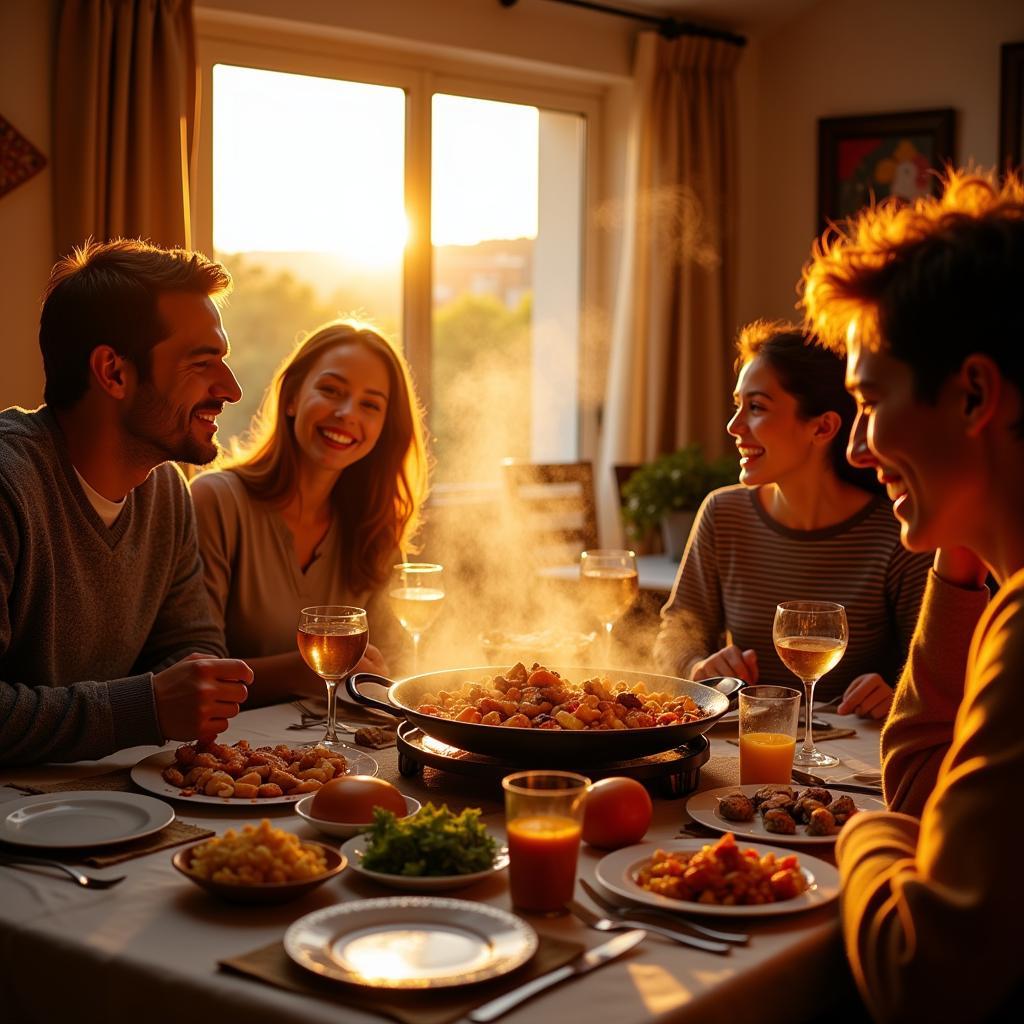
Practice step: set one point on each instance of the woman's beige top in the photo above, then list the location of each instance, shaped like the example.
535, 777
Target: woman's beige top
254, 582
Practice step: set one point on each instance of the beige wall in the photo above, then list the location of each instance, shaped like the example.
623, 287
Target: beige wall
26, 28
856, 57
836, 57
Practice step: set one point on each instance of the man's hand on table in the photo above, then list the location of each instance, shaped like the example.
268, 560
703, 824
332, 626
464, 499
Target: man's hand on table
196, 696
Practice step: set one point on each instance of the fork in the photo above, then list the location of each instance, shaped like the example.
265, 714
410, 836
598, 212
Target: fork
606, 924
737, 938
86, 881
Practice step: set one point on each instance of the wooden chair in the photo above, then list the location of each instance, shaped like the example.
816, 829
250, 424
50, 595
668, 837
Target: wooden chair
555, 507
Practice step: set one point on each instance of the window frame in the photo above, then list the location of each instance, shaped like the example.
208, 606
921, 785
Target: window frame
295, 48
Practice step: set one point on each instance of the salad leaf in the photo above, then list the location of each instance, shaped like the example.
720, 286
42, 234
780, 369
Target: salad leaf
432, 842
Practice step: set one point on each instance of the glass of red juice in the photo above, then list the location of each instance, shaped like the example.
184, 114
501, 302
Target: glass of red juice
544, 819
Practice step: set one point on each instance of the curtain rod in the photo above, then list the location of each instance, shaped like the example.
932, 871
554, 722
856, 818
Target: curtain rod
668, 27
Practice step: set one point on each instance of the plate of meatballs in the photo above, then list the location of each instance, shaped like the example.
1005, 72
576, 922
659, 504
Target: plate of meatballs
779, 813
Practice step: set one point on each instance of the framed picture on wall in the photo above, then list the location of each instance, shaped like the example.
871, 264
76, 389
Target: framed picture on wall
1011, 106
880, 155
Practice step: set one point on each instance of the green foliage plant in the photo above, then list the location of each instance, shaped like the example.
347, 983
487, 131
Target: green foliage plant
676, 482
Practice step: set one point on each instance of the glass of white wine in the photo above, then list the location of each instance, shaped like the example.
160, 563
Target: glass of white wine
810, 637
610, 586
332, 639
416, 596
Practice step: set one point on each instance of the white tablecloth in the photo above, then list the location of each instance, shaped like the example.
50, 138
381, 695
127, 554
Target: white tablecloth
147, 950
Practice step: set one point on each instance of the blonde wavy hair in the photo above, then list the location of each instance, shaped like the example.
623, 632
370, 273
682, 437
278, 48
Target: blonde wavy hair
929, 282
377, 500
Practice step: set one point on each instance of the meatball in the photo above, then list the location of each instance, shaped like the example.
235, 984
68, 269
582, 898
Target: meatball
779, 822
804, 807
773, 789
779, 802
821, 822
843, 808
736, 807
823, 796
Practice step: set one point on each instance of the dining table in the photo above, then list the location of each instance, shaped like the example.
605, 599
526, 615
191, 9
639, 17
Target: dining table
150, 948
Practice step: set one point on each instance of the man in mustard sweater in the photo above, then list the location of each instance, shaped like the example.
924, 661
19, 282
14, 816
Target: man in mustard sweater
925, 300
106, 639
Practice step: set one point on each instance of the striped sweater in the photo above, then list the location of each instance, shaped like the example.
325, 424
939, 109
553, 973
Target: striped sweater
740, 563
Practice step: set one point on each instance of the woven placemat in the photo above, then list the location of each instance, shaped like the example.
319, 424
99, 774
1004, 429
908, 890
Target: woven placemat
271, 964
118, 781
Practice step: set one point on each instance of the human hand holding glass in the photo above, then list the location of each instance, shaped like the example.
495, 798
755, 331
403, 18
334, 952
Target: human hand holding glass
810, 637
610, 586
332, 639
416, 596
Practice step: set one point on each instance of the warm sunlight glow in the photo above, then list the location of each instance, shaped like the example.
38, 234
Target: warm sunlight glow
304, 164
485, 170
317, 165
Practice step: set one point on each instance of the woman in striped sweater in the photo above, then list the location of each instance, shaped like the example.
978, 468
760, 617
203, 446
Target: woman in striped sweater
803, 524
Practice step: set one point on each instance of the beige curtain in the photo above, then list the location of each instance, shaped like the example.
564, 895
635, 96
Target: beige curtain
670, 375
124, 118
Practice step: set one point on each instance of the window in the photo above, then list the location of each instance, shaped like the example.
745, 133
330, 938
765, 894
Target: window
447, 209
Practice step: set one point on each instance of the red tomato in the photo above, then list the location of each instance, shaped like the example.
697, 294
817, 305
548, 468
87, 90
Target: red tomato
617, 813
352, 798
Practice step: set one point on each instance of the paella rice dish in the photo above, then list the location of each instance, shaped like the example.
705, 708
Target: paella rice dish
539, 698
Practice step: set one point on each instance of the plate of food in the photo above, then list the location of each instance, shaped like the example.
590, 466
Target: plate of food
779, 813
410, 942
219, 773
730, 877
431, 851
344, 806
55, 821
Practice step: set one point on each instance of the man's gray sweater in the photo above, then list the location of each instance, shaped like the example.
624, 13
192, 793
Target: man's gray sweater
88, 612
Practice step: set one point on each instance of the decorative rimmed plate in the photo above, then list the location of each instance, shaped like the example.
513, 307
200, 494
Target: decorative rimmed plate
703, 808
264, 892
66, 821
410, 942
147, 775
356, 847
617, 872
341, 829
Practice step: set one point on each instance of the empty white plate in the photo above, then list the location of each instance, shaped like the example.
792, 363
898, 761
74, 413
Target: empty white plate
56, 821
410, 942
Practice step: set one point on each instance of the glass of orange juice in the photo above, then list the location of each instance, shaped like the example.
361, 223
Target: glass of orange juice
544, 820
769, 717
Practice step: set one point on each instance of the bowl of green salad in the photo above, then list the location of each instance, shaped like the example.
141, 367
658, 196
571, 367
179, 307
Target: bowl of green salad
431, 851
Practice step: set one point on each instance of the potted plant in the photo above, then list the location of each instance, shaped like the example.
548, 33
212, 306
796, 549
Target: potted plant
668, 491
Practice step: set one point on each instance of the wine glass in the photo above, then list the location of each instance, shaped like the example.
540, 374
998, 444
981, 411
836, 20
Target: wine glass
416, 596
610, 586
810, 637
331, 639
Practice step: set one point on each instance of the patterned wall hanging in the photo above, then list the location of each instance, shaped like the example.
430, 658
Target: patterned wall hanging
19, 159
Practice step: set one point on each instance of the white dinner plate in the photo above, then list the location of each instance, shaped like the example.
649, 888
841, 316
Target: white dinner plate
147, 775
617, 872
410, 942
66, 821
703, 808
356, 847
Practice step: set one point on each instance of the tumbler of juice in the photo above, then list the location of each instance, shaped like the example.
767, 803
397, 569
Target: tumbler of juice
769, 716
544, 820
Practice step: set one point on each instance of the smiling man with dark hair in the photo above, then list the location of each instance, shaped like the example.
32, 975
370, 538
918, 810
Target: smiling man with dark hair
105, 635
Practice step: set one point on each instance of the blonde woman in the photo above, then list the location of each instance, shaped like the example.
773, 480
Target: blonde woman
316, 506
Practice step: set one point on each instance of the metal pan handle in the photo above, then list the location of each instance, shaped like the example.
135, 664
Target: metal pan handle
729, 686
352, 686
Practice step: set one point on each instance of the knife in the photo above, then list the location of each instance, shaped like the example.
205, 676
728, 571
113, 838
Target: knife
593, 958
807, 779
